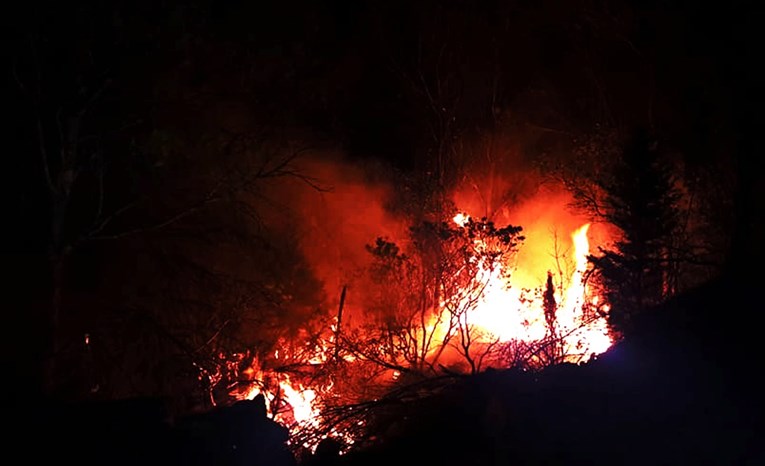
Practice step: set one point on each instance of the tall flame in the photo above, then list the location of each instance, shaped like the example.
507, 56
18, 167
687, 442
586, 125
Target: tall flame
507, 313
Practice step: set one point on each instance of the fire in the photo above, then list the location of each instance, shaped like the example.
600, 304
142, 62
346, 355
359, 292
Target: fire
586, 334
298, 403
290, 403
515, 306
461, 219
508, 313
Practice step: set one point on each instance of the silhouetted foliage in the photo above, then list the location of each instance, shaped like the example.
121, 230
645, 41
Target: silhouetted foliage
238, 435
657, 397
136, 180
641, 201
423, 298
549, 304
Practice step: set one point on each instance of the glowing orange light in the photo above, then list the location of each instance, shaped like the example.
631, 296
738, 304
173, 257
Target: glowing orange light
461, 219
504, 312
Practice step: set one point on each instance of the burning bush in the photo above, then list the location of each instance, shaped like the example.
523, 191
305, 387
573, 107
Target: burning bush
439, 304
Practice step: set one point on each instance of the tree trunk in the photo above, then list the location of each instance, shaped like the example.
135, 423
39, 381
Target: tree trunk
51, 325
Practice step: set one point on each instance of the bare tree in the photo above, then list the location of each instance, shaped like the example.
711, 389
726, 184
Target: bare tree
105, 176
427, 297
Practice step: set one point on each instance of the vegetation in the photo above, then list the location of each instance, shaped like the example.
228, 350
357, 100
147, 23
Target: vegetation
169, 161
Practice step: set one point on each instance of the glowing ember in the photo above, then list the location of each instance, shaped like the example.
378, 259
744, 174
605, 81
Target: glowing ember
292, 405
461, 219
298, 404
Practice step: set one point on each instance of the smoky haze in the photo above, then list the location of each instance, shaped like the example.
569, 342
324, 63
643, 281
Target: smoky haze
349, 202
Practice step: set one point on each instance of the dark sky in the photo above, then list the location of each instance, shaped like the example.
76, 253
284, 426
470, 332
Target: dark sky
378, 78
354, 71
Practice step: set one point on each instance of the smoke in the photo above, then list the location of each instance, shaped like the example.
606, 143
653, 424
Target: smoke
335, 216
503, 182
348, 204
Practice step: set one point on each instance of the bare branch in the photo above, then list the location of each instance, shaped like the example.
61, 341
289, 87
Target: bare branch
62, 142
213, 337
44, 157
100, 194
93, 233
17, 78
211, 198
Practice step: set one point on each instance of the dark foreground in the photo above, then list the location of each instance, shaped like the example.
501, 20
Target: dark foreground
684, 390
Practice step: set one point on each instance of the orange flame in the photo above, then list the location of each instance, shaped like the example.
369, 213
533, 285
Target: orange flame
506, 313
